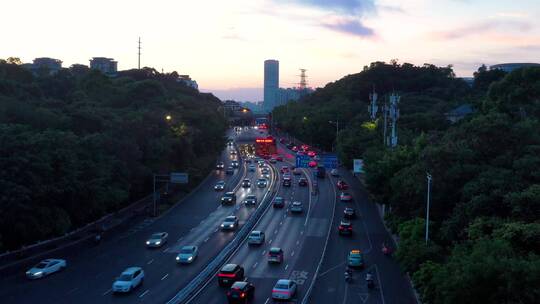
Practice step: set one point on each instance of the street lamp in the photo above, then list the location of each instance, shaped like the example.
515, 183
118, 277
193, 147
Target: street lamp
428, 176
168, 117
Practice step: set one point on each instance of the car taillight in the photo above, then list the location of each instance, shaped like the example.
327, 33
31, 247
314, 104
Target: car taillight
340, 228
349, 228
226, 275
243, 294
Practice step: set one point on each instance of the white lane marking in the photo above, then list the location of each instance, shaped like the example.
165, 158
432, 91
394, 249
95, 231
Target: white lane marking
292, 253
264, 251
286, 266
281, 223
181, 238
73, 290
106, 292
380, 285
164, 277
330, 269
275, 231
166, 249
255, 265
150, 262
301, 232
98, 275
144, 293
270, 242
216, 230
297, 242
267, 299
206, 239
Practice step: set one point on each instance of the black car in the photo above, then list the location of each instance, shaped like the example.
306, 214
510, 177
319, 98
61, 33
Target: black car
220, 165
302, 182
246, 183
290, 146
286, 182
228, 198
241, 293
229, 171
349, 213
279, 202
229, 274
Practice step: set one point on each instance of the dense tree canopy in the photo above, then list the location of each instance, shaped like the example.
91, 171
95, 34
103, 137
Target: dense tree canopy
78, 144
485, 203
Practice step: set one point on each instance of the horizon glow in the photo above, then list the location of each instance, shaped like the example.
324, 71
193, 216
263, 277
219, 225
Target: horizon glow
222, 44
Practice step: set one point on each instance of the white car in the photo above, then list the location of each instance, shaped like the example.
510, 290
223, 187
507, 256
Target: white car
45, 268
251, 168
284, 290
128, 280
157, 239
250, 200
187, 254
219, 186
256, 238
334, 172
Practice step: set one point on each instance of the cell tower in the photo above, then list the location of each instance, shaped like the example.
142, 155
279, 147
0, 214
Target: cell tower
394, 116
139, 53
303, 79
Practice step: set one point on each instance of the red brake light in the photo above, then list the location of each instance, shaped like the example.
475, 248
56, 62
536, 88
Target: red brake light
226, 275
242, 295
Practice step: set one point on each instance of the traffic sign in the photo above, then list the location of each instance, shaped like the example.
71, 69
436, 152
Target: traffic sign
330, 161
179, 178
358, 166
302, 161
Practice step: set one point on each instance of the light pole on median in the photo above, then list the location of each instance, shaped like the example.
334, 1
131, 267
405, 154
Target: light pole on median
337, 129
428, 176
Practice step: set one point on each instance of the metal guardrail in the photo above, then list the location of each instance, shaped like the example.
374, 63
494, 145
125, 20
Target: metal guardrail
187, 292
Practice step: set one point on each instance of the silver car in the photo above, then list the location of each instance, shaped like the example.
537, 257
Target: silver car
284, 290
157, 239
230, 223
297, 207
256, 238
46, 267
187, 254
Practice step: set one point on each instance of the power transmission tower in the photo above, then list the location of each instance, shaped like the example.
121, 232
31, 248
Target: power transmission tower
394, 116
303, 79
139, 47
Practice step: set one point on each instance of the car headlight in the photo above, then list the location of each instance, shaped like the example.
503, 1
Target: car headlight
231, 225
190, 258
178, 258
147, 242
222, 225
38, 273
158, 242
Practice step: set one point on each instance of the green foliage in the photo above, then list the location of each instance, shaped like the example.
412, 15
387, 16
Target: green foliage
78, 144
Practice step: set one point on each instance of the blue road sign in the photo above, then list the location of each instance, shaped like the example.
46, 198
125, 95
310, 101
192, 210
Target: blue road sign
330, 161
302, 161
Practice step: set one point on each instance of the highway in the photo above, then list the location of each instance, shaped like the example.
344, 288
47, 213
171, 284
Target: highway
195, 221
301, 237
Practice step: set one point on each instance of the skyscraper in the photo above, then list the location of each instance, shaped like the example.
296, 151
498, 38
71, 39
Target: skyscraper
271, 83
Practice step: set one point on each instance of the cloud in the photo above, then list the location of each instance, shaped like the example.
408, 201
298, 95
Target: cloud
481, 28
351, 27
348, 7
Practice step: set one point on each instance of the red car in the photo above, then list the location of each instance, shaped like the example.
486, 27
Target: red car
285, 169
279, 158
295, 148
311, 154
345, 228
312, 164
342, 185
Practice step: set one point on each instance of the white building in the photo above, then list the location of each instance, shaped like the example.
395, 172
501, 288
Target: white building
106, 65
188, 81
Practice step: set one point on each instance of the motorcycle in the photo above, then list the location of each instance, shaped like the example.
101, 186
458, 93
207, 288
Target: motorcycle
369, 281
348, 276
386, 250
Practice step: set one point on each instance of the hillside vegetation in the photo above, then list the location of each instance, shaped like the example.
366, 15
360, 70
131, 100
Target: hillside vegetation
78, 145
484, 218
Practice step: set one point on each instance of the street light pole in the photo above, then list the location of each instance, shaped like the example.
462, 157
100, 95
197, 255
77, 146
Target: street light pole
337, 129
427, 209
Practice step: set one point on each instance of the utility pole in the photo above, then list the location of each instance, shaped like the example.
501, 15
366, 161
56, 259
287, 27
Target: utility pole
139, 53
428, 176
385, 112
372, 108
337, 130
394, 116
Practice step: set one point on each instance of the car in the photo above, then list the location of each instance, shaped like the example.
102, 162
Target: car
262, 182
241, 292
294, 148
230, 223
273, 160
312, 164
297, 207
251, 168
248, 160
128, 280
230, 143
45, 268
334, 172
220, 165
286, 181
229, 171
284, 169
305, 147
279, 158
262, 165
233, 152
278, 202
250, 200
246, 183
265, 170
256, 237
349, 213
187, 254
157, 239
289, 146
275, 255
296, 171
345, 228
342, 185
228, 198
235, 164
302, 181
355, 258
284, 290
345, 197
311, 154
220, 186
230, 273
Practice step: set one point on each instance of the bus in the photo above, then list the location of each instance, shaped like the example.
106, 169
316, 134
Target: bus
261, 123
265, 147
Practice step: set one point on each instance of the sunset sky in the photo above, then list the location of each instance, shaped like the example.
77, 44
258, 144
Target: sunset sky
222, 44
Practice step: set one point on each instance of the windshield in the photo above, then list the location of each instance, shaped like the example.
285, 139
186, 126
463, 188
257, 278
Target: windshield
124, 278
41, 265
282, 286
186, 251
156, 236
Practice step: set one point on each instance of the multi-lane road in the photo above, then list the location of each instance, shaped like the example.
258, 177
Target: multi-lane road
314, 253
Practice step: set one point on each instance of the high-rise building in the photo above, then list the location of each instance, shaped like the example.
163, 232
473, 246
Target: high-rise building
271, 83
106, 65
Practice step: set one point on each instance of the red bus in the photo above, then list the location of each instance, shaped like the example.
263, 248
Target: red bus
265, 146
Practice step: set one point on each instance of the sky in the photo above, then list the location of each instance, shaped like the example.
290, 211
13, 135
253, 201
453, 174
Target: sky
223, 44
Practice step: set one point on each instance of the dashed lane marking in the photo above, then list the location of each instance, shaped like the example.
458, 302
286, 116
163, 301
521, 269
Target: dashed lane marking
144, 293
150, 262
106, 292
164, 277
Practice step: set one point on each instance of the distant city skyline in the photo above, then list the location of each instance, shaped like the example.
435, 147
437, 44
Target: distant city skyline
221, 44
